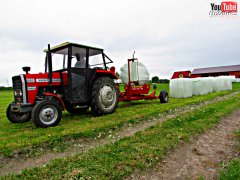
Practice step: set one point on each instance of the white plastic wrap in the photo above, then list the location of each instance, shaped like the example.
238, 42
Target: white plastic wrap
217, 84
202, 86
184, 87
181, 88
138, 71
227, 83
233, 78
223, 83
236, 80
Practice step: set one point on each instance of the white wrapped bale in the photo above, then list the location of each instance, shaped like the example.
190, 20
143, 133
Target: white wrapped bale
233, 78
211, 84
202, 86
217, 84
181, 88
223, 83
227, 83
138, 72
196, 85
236, 80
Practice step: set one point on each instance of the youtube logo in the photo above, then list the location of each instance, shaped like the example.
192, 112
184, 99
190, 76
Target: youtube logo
229, 6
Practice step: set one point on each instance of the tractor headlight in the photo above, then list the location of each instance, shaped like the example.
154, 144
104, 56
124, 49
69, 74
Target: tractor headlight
18, 92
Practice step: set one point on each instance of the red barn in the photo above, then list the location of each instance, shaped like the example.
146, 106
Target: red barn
233, 70
181, 74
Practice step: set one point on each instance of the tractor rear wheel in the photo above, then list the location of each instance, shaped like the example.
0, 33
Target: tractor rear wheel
17, 117
104, 96
163, 96
47, 114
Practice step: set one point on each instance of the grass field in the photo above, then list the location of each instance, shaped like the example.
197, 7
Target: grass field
18, 136
143, 150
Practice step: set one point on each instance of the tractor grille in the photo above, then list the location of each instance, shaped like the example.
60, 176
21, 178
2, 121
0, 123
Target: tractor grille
17, 89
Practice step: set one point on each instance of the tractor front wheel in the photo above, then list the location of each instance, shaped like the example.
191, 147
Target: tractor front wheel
163, 96
47, 114
17, 117
104, 96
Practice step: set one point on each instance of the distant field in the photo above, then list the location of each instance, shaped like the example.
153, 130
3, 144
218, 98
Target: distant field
17, 136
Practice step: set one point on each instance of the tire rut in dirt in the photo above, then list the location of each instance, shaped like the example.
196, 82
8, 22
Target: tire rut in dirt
202, 157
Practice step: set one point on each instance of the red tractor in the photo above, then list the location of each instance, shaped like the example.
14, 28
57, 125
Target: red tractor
76, 77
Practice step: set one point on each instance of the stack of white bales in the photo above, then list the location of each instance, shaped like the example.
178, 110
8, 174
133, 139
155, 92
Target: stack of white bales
186, 87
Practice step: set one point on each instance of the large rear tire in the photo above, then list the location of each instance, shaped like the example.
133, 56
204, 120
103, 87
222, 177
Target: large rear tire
163, 96
104, 98
17, 117
46, 114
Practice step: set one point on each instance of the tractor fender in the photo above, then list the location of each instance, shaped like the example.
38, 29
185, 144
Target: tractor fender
110, 74
56, 97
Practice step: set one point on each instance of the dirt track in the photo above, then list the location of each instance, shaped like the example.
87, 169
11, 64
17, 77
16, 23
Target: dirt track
18, 163
202, 157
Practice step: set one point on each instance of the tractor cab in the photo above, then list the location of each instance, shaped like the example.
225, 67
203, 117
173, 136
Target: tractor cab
78, 65
76, 77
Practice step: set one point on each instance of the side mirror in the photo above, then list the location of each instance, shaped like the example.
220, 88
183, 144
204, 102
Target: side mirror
26, 69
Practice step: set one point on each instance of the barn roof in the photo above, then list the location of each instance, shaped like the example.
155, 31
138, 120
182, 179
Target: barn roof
216, 69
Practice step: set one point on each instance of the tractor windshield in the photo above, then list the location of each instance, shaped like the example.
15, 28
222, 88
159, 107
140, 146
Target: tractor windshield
59, 59
96, 59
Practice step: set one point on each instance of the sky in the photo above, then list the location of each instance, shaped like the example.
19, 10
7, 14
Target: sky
167, 36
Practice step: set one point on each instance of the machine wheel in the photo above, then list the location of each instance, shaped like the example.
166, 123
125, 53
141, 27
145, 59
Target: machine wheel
47, 114
163, 96
75, 110
16, 117
104, 96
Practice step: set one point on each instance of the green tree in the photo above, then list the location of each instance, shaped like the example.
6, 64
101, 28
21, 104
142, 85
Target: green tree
155, 79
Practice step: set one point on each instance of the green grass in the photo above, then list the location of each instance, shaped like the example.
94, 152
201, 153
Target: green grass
232, 172
143, 150
233, 169
19, 136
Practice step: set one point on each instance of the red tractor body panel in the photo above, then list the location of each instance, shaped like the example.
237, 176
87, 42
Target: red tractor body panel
109, 73
34, 81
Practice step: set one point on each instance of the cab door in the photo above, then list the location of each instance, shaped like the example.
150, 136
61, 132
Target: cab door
78, 75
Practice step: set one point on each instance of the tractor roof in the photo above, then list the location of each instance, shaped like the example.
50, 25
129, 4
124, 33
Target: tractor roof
66, 44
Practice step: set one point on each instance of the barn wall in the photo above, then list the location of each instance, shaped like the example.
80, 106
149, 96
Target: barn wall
184, 74
236, 74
